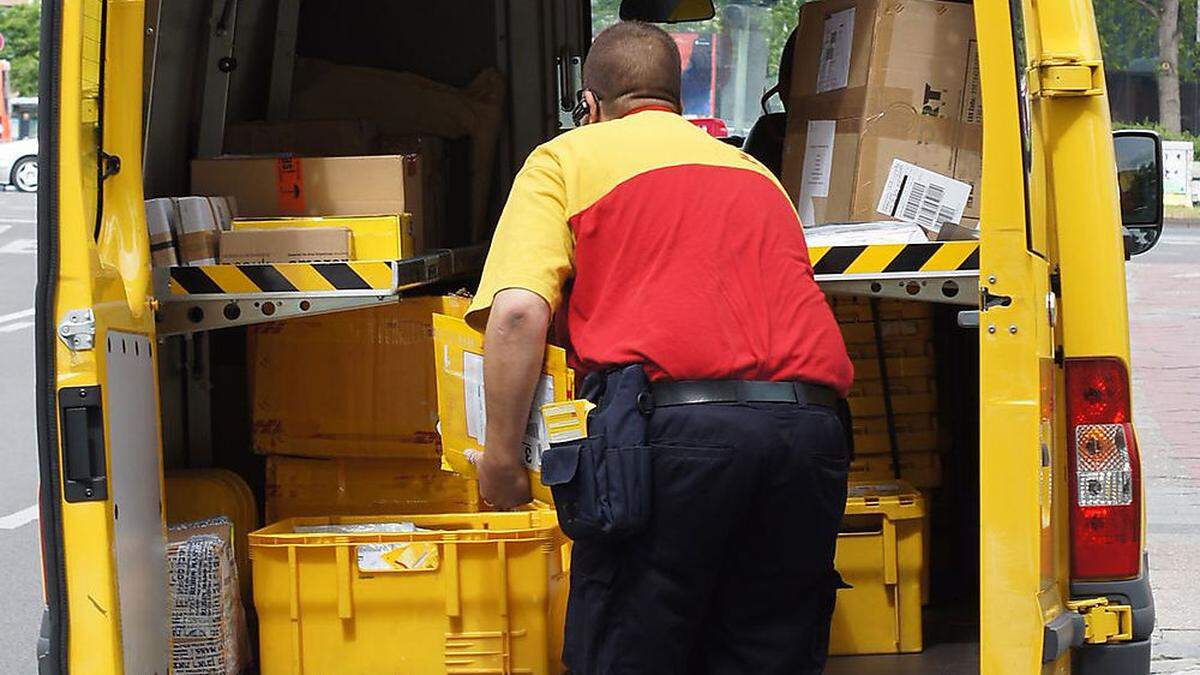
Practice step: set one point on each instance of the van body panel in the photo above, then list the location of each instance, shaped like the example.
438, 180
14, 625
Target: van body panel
103, 266
1015, 339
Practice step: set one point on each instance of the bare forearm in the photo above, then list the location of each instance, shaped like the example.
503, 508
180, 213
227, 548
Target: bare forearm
514, 345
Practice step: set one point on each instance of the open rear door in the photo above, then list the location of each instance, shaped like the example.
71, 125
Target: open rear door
103, 537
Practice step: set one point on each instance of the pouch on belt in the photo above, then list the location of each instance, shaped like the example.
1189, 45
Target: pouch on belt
602, 484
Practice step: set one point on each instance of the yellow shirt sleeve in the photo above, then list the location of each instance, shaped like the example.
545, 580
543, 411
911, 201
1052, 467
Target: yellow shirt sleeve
533, 247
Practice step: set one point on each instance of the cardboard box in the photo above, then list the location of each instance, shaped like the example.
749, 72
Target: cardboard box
162, 221
285, 245
379, 361
876, 81
298, 486
371, 237
199, 229
318, 186
304, 138
462, 411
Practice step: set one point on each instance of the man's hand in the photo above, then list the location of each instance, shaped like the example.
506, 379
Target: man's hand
514, 346
503, 483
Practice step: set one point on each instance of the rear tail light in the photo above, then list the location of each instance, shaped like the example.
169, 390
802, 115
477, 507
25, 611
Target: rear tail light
1106, 518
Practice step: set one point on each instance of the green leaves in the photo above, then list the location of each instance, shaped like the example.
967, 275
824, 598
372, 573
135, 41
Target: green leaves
20, 27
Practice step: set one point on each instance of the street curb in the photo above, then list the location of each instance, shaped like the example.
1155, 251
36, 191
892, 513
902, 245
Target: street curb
1180, 223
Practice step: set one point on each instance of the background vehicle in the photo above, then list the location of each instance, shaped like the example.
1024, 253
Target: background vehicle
1041, 387
19, 164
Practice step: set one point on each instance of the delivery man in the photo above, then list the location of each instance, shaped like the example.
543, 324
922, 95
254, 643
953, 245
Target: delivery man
705, 501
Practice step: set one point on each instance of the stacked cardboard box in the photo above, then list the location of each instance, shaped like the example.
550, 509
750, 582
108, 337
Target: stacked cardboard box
884, 119
270, 187
356, 392
906, 328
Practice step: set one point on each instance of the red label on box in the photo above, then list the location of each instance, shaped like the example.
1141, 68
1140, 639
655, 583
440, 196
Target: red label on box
289, 182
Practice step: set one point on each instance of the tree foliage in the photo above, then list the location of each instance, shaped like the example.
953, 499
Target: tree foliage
20, 26
1129, 42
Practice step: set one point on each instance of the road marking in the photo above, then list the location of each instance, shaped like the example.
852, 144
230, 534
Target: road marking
5, 228
23, 517
20, 246
19, 221
15, 326
16, 315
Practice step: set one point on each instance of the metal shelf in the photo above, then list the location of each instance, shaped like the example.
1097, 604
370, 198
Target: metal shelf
220, 296
208, 297
945, 272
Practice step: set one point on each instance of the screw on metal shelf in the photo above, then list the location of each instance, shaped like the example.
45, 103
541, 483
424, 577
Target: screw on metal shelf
1012, 329
992, 328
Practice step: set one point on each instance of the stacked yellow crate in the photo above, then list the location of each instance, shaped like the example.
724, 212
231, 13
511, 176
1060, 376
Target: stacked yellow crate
345, 407
906, 329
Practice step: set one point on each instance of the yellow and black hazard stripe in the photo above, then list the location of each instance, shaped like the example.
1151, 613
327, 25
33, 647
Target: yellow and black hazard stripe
283, 278
925, 257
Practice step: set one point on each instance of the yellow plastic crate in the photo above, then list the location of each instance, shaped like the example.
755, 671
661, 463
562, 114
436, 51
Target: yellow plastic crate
198, 494
477, 593
881, 553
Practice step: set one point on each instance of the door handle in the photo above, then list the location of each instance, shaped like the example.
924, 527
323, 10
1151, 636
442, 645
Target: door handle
84, 462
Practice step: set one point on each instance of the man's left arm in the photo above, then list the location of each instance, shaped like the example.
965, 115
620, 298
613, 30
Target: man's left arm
514, 346
530, 259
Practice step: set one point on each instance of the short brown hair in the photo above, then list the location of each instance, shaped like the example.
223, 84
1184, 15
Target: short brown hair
633, 63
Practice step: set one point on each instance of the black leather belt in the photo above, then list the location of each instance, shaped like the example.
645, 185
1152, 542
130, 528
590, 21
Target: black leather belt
688, 392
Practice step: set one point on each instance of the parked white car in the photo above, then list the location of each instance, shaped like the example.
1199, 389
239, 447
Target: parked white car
19, 164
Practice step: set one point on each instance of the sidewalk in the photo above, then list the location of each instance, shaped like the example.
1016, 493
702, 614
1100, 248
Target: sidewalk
1164, 323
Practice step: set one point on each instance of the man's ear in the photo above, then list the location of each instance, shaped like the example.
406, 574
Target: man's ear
593, 105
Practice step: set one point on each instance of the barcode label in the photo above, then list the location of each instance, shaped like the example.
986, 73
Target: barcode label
927, 198
833, 72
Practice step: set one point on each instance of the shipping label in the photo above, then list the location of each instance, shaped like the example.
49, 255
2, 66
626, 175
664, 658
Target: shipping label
536, 438
972, 103
818, 163
833, 72
918, 195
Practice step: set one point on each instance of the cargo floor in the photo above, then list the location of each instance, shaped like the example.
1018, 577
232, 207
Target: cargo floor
950, 658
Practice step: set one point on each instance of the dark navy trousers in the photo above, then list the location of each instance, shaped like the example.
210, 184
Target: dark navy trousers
734, 573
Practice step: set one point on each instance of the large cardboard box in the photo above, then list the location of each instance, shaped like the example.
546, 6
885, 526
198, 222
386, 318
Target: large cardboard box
285, 245
299, 486
318, 186
350, 384
885, 117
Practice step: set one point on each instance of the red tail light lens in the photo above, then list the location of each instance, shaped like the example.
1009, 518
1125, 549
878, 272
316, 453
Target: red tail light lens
1106, 519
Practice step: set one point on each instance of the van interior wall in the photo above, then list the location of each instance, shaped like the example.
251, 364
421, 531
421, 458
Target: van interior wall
954, 521
450, 42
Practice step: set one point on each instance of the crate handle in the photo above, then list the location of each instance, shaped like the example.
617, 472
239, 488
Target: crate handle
890, 572
453, 593
345, 604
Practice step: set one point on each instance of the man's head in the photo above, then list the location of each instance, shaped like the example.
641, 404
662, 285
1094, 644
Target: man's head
631, 65
783, 86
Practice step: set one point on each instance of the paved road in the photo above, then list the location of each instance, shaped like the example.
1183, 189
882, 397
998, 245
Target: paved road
1165, 325
20, 559
1164, 302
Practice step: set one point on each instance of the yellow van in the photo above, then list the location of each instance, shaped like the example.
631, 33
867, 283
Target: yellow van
143, 370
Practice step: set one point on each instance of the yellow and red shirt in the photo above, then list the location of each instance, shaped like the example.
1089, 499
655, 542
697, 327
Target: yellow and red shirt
655, 243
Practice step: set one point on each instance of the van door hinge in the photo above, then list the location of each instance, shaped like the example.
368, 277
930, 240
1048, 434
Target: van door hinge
77, 330
1066, 76
1104, 622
